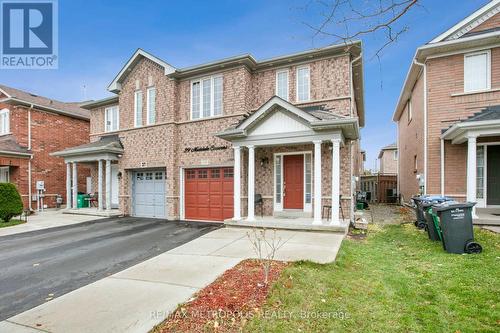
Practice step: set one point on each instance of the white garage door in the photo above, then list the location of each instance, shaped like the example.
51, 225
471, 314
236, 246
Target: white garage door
149, 194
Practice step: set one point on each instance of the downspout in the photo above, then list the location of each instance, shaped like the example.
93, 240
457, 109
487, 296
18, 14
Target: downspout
424, 66
442, 167
29, 161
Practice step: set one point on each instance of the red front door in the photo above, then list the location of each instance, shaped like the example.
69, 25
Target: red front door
293, 181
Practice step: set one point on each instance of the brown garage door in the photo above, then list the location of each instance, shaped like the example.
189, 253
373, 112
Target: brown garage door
208, 194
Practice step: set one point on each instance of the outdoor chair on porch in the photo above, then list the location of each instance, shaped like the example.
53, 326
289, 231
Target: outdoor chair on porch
259, 202
93, 201
327, 210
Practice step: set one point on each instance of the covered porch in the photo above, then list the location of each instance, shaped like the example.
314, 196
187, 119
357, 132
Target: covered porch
105, 153
294, 158
481, 134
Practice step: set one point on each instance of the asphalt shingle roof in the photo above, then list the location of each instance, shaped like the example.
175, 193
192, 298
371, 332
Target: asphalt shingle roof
9, 144
489, 113
66, 107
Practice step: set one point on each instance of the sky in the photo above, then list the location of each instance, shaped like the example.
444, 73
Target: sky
97, 37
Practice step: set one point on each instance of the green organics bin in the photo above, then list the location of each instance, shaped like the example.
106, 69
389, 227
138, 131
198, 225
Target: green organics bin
81, 202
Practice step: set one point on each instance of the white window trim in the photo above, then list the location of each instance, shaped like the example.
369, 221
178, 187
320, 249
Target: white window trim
488, 69
212, 96
148, 111
410, 110
297, 84
279, 207
136, 93
6, 168
287, 83
7, 112
117, 118
395, 155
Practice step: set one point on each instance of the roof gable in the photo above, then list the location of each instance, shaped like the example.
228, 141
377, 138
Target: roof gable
469, 23
115, 85
279, 121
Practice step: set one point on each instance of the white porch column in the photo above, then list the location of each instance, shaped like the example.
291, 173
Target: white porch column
335, 181
108, 185
317, 182
471, 170
75, 185
68, 186
237, 183
99, 185
251, 183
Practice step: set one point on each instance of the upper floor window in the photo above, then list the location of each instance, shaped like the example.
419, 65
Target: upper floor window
4, 122
206, 97
151, 105
303, 84
477, 71
138, 109
282, 84
395, 156
410, 111
111, 119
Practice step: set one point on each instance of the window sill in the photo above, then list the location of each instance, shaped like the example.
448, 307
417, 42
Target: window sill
475, 92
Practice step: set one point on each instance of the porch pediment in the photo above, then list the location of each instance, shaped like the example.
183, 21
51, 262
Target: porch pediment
279, 120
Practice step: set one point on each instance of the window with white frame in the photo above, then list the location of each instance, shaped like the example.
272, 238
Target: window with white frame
477, 71
308, 178
395, 156
303, 84
111, 119
410, 110
480, 157
282, 84
138, 109
278, 180
4, 122
4, 174
151, 105
206, 97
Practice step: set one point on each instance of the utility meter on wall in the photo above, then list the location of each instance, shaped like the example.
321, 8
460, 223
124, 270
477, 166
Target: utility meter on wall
40, 185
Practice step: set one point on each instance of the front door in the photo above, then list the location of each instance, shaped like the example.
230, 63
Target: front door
293, 181
493, 175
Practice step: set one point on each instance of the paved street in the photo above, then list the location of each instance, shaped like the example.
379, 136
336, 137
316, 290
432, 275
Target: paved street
41, 265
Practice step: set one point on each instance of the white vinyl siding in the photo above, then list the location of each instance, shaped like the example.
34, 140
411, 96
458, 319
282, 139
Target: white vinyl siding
151, 105
4, 122
111, 119
138, 109
303, 84
282, 84
477, 71
206, 97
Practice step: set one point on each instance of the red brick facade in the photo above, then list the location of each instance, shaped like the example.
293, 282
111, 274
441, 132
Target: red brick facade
163, 144
50, 132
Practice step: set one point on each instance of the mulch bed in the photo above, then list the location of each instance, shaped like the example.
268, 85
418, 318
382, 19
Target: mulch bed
227, 303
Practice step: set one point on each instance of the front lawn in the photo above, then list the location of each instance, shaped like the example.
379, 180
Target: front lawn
394, 280
10, 223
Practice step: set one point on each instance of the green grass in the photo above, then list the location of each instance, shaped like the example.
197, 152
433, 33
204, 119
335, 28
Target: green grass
396, 280
10, 223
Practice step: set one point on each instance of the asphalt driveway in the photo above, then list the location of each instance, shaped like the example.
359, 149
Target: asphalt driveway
38, 266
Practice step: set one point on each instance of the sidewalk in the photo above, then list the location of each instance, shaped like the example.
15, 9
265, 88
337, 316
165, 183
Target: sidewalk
138, 298
50, 218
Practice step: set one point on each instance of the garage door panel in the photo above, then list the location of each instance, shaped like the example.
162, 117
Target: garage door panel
208, 193
149, 194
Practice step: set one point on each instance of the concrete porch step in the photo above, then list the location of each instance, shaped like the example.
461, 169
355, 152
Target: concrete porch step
289, 224
292, 214
93, 212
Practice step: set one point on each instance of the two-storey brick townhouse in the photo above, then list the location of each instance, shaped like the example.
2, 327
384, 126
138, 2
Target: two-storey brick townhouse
200, 143
31, 128
448, 113
388, 160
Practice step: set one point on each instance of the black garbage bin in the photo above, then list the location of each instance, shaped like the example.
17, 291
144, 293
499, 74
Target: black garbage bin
455, 222
420, 221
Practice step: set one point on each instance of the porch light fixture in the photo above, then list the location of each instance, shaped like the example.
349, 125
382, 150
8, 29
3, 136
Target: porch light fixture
119, 175
264, 161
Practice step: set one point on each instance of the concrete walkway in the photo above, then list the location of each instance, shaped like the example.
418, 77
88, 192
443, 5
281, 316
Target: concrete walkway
50, 218
138, 298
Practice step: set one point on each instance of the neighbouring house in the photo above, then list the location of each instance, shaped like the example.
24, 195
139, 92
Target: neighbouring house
200, 143
388, 160
31, 128
448, 113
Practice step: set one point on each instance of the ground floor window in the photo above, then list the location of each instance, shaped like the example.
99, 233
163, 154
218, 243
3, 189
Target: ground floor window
4, 174
278, 179
480, 172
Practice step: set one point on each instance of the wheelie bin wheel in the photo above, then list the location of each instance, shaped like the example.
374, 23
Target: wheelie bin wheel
421, 225
472, 247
